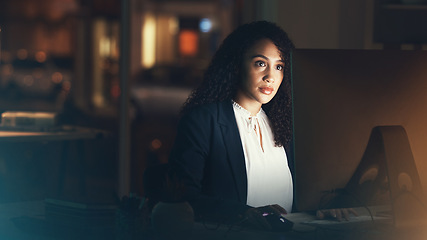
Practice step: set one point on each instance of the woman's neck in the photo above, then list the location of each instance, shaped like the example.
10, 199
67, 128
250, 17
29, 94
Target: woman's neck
253, 107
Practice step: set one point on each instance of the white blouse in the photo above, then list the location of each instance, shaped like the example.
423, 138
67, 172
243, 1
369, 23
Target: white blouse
269, 177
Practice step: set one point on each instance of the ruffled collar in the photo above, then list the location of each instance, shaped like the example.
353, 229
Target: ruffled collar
244, 111
251, 121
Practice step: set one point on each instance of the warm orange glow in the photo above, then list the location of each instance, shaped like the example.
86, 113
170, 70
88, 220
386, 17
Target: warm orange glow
156, 144
57, 77
188, 42
40, 56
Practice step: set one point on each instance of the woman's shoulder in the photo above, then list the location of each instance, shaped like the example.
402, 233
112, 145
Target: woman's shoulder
208, 109
202, 117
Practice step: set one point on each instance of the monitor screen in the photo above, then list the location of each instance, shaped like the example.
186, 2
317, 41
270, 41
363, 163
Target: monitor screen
339, 97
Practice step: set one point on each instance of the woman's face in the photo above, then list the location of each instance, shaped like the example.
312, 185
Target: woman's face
262, 74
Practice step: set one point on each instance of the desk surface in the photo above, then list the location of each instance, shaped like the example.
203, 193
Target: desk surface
13, 226
307, 227
66, 133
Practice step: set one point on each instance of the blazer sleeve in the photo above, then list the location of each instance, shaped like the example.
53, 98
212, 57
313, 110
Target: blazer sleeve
188, 162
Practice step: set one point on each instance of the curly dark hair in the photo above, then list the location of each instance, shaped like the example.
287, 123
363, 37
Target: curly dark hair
223, 75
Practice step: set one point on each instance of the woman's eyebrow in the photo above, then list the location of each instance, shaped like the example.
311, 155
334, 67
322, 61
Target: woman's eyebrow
260, 56
266, 58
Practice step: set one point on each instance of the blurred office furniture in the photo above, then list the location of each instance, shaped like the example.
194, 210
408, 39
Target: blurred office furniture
63, 157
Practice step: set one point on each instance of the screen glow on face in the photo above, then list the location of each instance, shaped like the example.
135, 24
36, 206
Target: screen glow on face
262, 74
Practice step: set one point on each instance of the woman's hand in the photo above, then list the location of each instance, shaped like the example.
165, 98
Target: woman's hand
256, 216
337, 214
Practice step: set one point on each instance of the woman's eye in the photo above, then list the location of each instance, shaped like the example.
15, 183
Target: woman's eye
279, 67
260, 63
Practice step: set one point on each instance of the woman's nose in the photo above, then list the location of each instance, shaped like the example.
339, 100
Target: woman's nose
268, 78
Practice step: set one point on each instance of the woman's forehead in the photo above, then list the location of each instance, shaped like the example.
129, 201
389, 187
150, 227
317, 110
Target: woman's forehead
264, 47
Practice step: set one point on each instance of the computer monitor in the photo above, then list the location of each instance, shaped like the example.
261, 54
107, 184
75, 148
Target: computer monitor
339, 98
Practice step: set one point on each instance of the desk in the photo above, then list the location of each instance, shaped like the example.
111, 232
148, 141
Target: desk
66, 135
328, 229
303, 231
26, 221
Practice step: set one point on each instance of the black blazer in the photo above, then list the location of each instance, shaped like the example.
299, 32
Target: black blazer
208, 156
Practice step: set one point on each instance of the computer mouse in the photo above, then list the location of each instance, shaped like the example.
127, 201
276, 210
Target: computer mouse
279, 223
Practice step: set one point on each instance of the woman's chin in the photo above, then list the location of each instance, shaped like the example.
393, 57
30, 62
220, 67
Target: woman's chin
266, 98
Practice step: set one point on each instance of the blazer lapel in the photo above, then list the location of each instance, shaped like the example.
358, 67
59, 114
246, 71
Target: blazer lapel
233, 145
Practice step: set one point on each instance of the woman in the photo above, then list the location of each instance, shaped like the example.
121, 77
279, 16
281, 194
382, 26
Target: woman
232, 145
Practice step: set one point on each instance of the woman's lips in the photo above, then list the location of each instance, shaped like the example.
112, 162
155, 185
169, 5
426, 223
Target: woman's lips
266, 90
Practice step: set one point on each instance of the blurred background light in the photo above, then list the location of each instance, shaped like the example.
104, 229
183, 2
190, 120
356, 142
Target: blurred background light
156, 144
104, 46
149, 41
188, 42
40, 56
57, 77
205, 25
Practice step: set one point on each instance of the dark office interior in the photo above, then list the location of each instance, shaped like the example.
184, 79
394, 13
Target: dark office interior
116, 72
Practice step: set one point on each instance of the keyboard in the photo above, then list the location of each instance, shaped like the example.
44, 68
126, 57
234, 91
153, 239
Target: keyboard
355, 222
